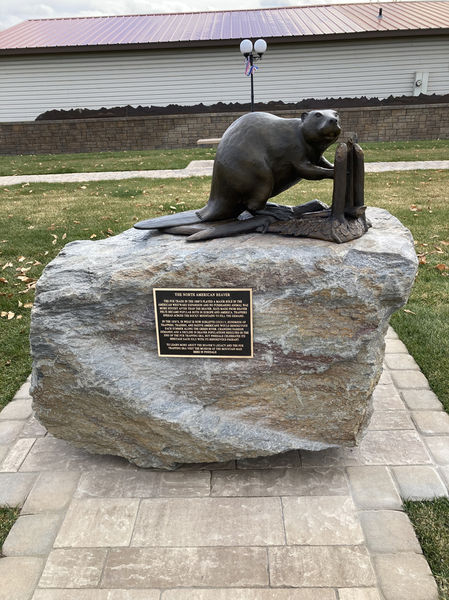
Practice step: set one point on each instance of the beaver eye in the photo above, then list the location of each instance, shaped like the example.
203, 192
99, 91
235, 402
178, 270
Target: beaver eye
318, 115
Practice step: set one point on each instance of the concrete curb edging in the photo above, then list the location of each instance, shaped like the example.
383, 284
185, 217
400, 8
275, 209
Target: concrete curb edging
196, 168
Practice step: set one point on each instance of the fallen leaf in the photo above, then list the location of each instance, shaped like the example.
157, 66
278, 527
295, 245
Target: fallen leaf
3, 280
19, 317
64, 235
24, 278
30, 286
11, 315
441, 267
30, 227
439, 250
3, 313
93, 236
110, 231
21, 259
6, 265
444, 243
410, 312
28, 305
19, 303
422, 259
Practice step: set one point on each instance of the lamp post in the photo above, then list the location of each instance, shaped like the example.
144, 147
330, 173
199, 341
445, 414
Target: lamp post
246, 48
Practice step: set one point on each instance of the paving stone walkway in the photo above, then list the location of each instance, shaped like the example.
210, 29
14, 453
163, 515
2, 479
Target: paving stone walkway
197, 168
299, 526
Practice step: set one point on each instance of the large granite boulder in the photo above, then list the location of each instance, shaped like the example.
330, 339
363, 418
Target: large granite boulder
320, 315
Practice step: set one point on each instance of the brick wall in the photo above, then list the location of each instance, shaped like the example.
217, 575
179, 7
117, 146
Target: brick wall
427, 121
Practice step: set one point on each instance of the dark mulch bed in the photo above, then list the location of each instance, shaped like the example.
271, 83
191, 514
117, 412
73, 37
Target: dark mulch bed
220, 107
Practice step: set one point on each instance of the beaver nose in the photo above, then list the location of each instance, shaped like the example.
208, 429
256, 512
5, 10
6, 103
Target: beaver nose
335, 125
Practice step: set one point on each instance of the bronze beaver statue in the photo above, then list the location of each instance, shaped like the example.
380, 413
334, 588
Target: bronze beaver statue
259, 156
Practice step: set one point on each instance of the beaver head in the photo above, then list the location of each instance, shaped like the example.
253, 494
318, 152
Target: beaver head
321, 127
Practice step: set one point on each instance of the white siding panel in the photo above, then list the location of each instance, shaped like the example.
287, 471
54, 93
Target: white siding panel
30, 85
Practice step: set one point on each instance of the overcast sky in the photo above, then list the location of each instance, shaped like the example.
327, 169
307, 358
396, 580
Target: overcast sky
15, 11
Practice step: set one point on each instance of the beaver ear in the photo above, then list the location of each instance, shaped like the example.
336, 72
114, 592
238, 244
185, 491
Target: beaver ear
304, 115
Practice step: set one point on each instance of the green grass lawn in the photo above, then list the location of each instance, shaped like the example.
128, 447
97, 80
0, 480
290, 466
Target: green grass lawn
8, 516
132, 160
395, 151
431, 522
39, 219
178, 159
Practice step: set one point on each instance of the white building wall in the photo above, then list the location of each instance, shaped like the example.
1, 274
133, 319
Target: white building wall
32, 84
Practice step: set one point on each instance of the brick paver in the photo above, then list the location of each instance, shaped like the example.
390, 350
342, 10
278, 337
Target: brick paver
247, 594
143, 484
299, 526
19, 409
359, 594
419, 482
186, 567
405, 575
321, 520
32, 535
388, 531
19, 576
280, 482
328, 566
98, 523
73, 568
209, 522
373, 488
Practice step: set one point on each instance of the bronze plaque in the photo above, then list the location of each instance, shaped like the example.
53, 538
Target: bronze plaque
204, 323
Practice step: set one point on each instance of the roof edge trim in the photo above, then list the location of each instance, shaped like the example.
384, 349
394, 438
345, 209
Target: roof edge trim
227, 42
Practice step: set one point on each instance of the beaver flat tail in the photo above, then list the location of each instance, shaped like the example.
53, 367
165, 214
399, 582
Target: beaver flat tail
210, 212
188, 217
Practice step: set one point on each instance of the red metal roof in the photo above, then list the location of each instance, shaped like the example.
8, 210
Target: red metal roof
182, 29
